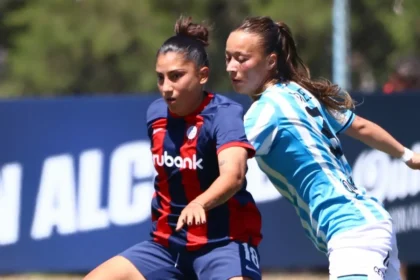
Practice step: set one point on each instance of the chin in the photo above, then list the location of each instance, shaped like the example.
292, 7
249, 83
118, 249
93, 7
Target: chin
173, 108
239, 89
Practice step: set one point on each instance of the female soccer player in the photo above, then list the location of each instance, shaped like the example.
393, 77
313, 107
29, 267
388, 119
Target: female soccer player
205, 223
293, 124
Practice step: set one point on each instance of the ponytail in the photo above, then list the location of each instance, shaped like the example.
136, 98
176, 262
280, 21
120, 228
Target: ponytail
277, 38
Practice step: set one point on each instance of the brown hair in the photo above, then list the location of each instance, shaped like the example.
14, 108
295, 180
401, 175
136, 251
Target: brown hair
190, 39
276, 37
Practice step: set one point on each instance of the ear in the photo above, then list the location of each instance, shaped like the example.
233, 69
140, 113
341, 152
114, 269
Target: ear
272, 61
203, 74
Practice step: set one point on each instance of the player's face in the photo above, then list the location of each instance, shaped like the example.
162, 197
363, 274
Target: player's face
180, 82
247, 64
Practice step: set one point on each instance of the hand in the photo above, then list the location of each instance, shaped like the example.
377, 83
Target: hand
193, 213
414, 162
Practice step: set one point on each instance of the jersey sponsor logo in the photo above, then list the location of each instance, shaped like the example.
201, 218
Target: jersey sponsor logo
180, 162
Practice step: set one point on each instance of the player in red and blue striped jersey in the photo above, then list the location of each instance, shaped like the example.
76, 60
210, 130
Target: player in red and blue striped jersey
205, 223
186, 154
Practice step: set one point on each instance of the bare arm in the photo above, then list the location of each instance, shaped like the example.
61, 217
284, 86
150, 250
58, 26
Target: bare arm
375, 136
232, 166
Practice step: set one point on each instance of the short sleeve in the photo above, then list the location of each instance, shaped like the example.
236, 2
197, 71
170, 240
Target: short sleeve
150, 118
229, 129
156, 117
261, 126
340, 120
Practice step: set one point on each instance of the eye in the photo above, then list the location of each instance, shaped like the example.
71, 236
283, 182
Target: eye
228, 58
241, 59
176, 76
160, 78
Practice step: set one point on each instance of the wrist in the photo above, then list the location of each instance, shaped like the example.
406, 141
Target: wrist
407, 155
198, 203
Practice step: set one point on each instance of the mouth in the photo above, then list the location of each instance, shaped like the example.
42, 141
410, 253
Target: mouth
170, 100
235, 81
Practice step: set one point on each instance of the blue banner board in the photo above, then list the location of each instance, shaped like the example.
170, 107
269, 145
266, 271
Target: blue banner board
76, 182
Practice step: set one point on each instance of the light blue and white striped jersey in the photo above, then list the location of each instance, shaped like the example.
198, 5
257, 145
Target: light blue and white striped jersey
296, 144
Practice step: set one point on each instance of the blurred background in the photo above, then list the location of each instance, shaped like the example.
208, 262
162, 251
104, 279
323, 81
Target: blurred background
76, 77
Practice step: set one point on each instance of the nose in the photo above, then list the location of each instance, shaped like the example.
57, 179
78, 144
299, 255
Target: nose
167, 86
232, 66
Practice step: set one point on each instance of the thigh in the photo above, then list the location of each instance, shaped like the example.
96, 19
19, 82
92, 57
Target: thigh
358, 264
116, 268
154, 261
393, 263
232, 261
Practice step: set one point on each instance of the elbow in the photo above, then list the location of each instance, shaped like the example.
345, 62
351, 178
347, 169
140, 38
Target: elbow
236, 181
239, 182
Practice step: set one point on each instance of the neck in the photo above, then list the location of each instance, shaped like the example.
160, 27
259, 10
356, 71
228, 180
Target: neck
269, 84
198, 102
194, 105
265, 86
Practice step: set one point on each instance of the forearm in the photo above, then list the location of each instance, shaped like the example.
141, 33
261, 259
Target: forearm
376, 137
223, 188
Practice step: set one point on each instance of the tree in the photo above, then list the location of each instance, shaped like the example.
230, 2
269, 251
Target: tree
79, 47
101, 46
107, 46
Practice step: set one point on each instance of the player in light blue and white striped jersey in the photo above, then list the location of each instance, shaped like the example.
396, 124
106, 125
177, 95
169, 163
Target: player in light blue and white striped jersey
293, 125
297, 147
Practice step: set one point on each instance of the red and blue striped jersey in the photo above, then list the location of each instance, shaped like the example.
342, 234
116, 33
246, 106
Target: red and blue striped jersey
184, 152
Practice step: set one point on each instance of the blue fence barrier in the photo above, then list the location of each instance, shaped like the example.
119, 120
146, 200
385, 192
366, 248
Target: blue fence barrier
76, 182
